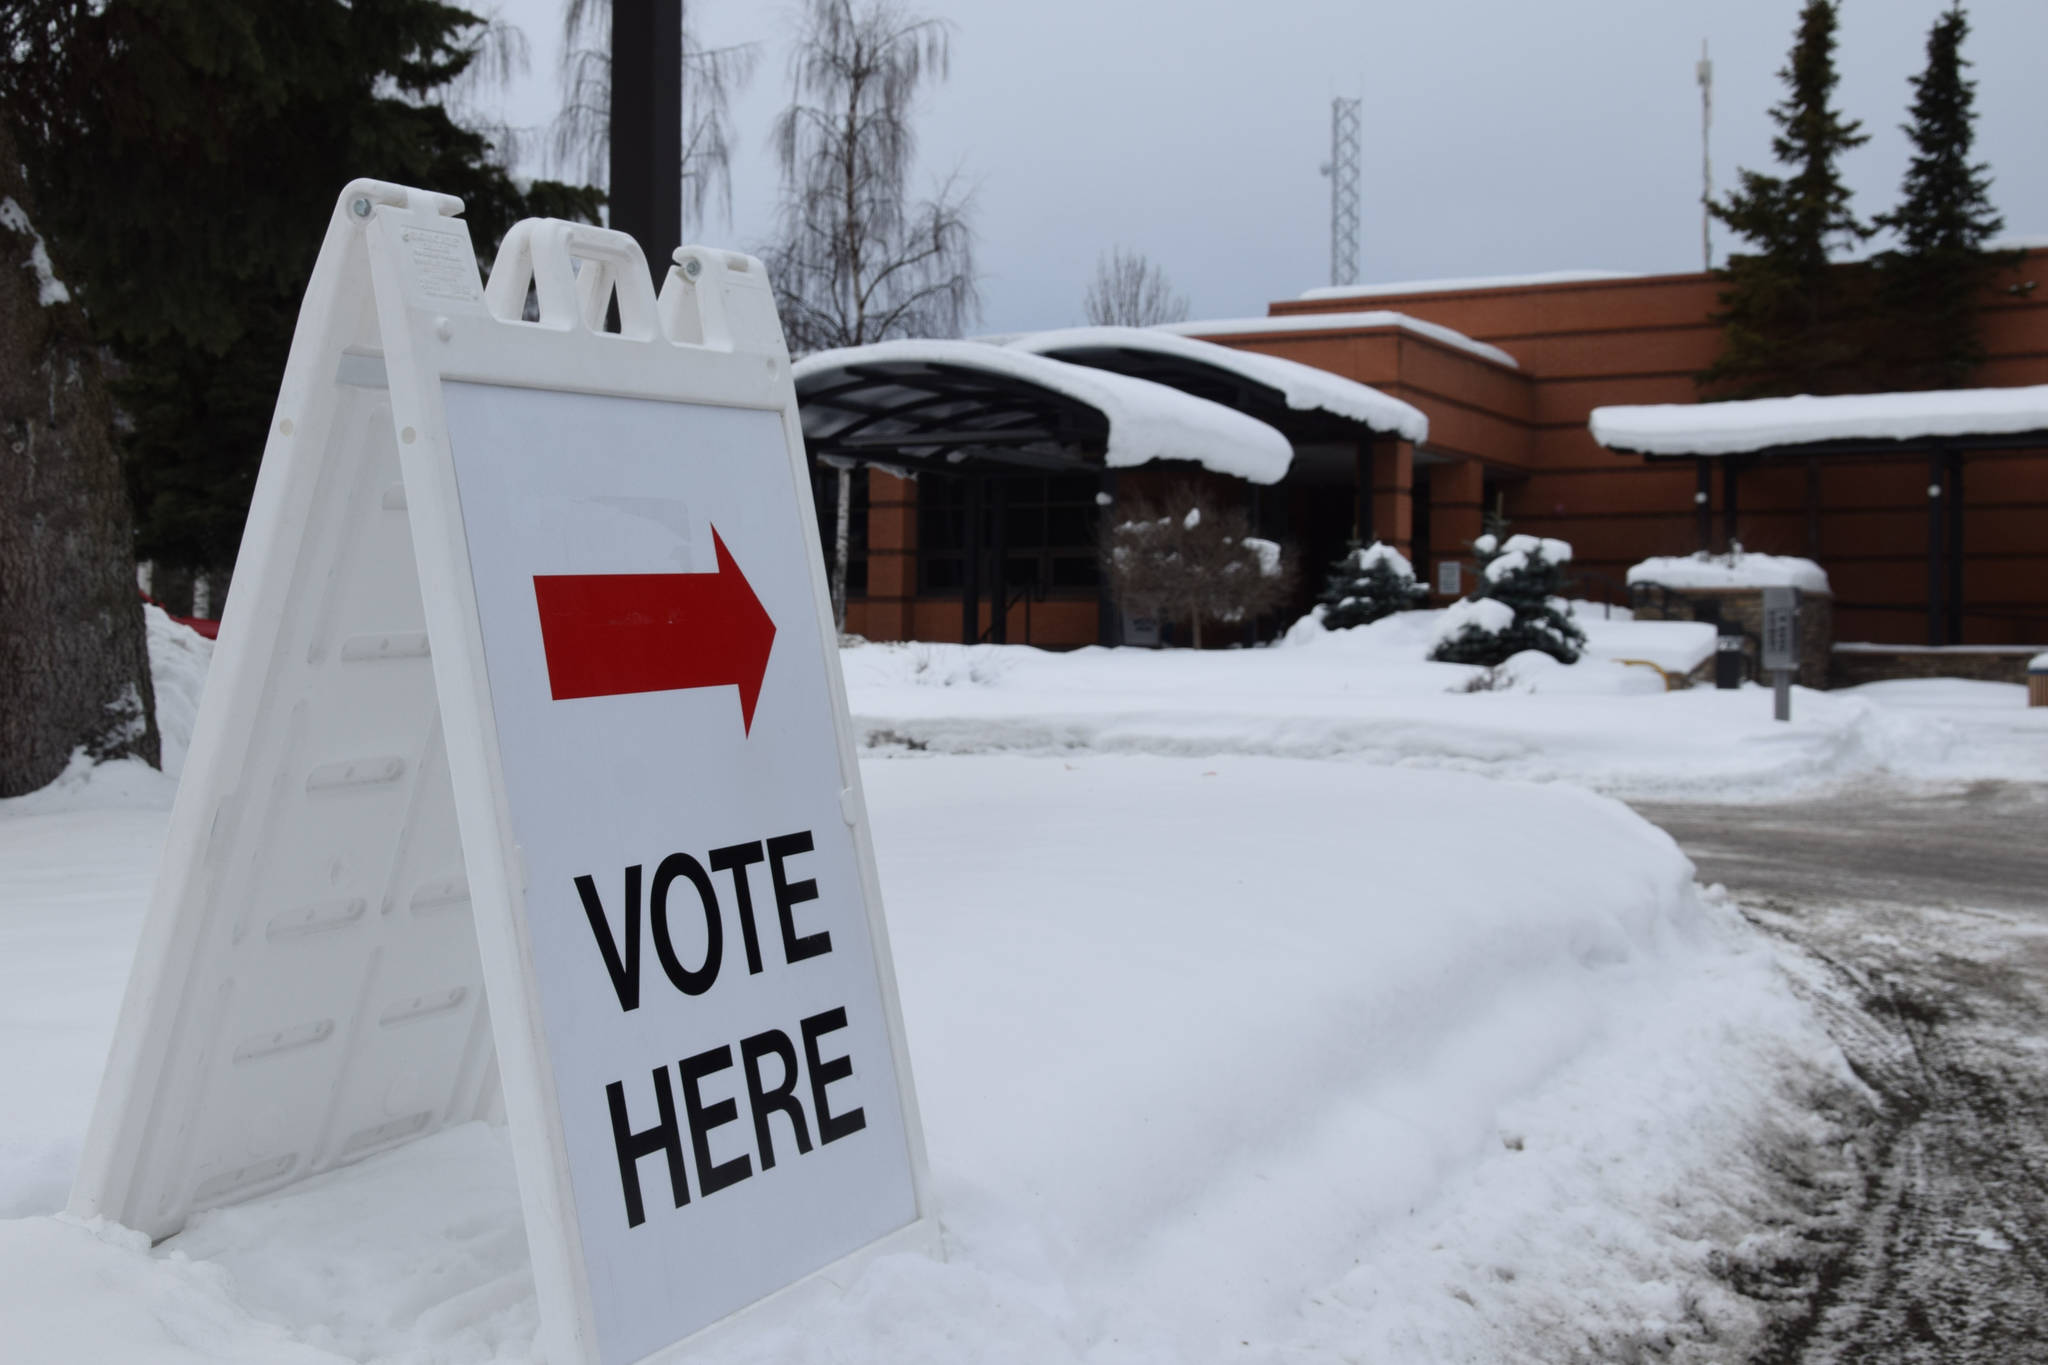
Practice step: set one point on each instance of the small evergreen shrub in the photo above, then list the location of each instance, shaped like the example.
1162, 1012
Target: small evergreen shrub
1369, 583
1513, 608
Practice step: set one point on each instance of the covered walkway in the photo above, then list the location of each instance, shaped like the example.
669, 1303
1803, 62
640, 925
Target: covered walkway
1943, 427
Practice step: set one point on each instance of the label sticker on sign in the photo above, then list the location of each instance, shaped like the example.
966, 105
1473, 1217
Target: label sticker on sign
708, 991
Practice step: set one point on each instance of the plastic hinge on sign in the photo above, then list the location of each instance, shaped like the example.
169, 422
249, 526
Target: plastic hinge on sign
542, 252
693, 297
360, 194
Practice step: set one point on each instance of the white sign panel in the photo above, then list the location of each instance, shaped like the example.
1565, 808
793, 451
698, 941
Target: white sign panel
706, 980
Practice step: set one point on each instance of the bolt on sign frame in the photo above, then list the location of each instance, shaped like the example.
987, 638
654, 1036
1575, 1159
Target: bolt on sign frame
449, 740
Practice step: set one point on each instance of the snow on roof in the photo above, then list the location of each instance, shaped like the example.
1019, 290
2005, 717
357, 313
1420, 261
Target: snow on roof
1323, 322
1737, 570
1303, 386
1456, 284
1760, 423
1146, 421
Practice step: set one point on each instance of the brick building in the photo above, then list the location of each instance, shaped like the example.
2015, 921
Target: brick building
1507, 374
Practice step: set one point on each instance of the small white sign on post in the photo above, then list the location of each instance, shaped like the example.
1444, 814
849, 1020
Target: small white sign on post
1781, 645
557, 590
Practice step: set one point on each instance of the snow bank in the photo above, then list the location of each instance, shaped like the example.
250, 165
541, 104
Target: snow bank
1759, 423
1459, 285
178, 656
1303, 387
1740, 569
1301, 1077
1324, 322
1146, 421
1370, 694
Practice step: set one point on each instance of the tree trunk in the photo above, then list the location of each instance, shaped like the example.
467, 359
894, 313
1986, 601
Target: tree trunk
74, 655
841, 550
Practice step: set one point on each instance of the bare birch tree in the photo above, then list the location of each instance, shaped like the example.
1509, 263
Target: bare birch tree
854, 259
1130, 291
580, 137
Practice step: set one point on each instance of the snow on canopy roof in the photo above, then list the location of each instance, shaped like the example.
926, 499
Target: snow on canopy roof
1761, 423
1304, 387
1456, 284
1324, 322
1147, 421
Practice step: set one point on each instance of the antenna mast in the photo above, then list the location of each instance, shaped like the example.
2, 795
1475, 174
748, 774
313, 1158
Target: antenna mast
1342, 168
1705, 72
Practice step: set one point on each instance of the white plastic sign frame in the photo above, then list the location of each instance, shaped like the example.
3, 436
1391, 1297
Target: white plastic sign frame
301, 998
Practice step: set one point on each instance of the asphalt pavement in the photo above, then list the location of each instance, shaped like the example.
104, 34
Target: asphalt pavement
1915, 1226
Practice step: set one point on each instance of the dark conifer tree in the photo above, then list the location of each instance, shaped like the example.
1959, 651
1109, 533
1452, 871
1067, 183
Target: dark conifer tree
1793, 322
187, 154
1526, 575
1368, 584
1931, 283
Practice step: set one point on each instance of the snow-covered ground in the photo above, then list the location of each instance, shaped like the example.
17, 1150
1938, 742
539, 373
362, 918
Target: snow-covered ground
1369, 694
1226, 1050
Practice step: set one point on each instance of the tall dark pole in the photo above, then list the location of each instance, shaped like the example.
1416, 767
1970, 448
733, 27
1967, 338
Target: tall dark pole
647, 126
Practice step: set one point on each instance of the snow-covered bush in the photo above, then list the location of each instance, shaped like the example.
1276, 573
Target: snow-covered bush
1515, 606
1184, 558
1369, 583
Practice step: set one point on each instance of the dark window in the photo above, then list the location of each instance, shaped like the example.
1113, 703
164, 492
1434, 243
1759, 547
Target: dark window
825, 493
1049, 525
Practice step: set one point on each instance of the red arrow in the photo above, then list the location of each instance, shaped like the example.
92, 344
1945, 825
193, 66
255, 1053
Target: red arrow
610, 634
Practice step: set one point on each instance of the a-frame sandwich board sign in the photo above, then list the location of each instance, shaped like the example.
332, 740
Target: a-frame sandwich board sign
523, 778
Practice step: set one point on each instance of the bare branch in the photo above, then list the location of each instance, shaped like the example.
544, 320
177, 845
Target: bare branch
854, 259
1130, 291
579, 140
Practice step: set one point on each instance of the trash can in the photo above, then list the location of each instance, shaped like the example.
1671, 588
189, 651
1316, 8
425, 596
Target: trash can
2037, 680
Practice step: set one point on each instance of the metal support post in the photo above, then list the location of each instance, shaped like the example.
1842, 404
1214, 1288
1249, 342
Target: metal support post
970, 578
1937, 567
1703, 500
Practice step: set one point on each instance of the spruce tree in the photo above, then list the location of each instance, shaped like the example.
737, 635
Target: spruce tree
1369, 583
187, 154
1791, 321
1526, 576
1931, 283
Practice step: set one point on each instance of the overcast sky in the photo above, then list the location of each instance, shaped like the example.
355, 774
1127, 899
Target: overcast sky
1500, 136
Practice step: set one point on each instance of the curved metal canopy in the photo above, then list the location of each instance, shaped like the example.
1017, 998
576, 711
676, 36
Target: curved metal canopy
965, 404
1304, 403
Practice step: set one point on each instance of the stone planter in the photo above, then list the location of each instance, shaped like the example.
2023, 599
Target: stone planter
1745, 607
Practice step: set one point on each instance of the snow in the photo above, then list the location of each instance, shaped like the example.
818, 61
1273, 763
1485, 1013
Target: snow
1146, 421
1760, 423
1370, 694
1268, 552
1738, 569
1304, 387
1262, 1100
1515, 555
50, 290
2038, 664
1489, 615
1230, 1046
1458, 285
1326, 322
